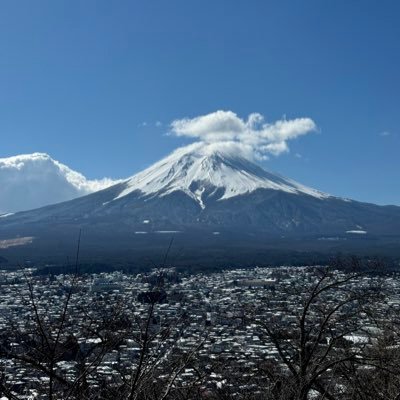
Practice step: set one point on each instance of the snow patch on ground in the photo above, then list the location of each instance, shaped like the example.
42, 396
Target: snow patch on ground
6, 215
21, 241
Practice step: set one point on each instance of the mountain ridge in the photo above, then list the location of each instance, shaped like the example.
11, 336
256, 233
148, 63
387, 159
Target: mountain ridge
188, 195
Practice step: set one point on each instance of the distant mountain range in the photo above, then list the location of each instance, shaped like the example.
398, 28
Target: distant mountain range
219, 208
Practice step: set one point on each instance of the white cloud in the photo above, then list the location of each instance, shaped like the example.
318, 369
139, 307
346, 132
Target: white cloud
252, 136
35, 180
385, 133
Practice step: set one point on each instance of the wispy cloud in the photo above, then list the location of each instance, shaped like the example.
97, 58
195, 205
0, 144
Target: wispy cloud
253, 136
385, 133
145, 124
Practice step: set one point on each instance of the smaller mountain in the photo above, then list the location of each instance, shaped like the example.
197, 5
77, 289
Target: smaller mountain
35, 180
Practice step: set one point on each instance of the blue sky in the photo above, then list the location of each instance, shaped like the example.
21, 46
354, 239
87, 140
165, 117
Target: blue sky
87, 82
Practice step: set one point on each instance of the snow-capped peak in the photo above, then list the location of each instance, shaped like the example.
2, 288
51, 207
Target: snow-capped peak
194, 169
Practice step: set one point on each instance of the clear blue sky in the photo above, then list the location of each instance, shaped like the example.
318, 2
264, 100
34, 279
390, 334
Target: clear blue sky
79, 78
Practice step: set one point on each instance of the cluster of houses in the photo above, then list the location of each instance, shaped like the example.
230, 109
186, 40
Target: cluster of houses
218, 318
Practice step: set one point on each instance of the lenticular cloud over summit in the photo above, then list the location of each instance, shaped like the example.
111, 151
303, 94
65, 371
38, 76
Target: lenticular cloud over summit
35, 180
253, 137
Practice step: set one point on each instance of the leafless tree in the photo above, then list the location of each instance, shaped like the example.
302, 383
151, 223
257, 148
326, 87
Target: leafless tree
330, 333
319, 329
85, 331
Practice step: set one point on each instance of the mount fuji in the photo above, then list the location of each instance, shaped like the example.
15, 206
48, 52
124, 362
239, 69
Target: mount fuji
218, 205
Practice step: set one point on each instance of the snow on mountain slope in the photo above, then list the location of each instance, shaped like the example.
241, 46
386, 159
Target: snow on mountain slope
214, 202
195, 168
29, 181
